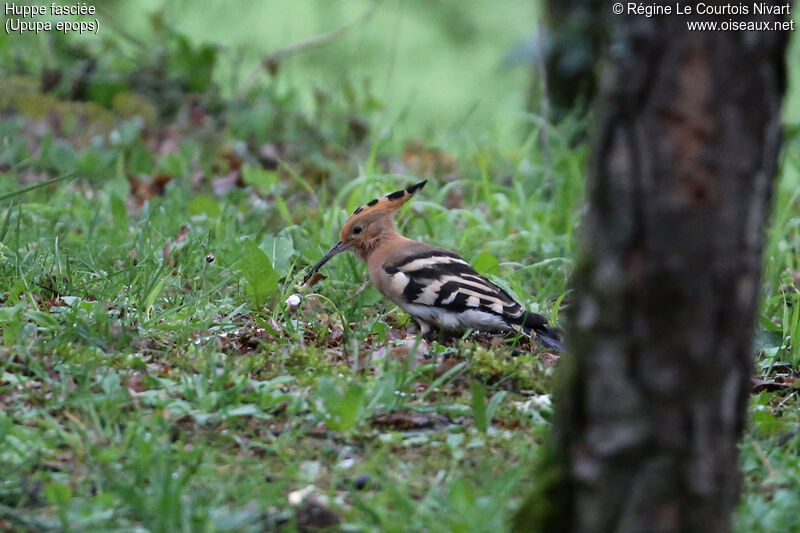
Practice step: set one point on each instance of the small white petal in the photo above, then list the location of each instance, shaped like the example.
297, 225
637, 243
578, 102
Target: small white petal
296, 497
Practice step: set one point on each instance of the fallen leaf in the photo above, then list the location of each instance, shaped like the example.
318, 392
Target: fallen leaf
404, 421
135, 383
549, 360
401, 350
227, 182
317, 277
183, 234
143, 190
777, 384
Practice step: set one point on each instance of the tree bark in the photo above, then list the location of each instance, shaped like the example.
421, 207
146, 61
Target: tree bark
571, 41
656, 384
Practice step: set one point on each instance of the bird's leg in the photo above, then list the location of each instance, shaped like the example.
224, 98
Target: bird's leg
443, 336
431, 334
425, 329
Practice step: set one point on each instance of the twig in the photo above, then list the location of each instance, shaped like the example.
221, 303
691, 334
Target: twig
272, 62
764, 459
783, 402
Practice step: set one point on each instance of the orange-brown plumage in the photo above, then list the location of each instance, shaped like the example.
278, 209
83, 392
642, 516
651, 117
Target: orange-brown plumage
435, 286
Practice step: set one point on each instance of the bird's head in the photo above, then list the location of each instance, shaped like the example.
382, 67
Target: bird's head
368, 225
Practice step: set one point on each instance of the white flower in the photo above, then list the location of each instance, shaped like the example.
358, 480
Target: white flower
293, 301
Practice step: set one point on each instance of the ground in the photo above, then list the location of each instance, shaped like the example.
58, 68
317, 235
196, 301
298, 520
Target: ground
155, 374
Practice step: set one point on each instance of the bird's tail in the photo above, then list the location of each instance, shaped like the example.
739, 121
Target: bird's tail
549, 336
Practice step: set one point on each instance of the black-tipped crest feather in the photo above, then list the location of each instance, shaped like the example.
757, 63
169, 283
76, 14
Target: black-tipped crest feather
416, 187
397, 195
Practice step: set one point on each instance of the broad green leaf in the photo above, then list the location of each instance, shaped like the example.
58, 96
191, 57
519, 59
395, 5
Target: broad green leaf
60, 155
257, 270
479, 405
341, 409
350, 407
57, 493
261, 180
195, 64
42, 319
494, 403
89, 162
119, 213
765, 423
247, 409
8, 314
486, 263
140, 159
280, 251
204, 204
765, 340
283, 210
462, 498
11, 323
330, 394
110, 383
103, 91
153, 294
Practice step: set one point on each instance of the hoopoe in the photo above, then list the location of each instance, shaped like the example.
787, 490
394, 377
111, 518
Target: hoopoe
433, 285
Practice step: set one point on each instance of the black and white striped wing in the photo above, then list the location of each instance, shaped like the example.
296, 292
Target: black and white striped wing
439, 287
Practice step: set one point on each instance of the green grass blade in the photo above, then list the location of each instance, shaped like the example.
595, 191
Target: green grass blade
30, 188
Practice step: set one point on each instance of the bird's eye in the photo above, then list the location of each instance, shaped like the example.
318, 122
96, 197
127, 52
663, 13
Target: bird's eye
357, 230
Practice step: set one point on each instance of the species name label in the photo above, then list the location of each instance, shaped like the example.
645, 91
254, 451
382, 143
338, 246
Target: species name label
40, 18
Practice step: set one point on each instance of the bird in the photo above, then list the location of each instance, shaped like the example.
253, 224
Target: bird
437, 287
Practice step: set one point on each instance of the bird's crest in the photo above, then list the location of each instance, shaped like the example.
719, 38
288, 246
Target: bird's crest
380, 208
391, 202
368, 225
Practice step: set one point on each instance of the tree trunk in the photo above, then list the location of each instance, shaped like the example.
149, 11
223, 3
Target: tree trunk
568, 49
657, 381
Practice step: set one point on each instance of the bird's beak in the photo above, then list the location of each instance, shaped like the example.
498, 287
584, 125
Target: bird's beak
338, 247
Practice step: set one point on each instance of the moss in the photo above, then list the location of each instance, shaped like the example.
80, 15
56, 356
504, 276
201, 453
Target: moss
304, 362
32, 105
129, 105
18, 85
22, 95
92, 113
525, 372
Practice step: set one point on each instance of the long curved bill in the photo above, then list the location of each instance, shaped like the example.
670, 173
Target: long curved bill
338, 247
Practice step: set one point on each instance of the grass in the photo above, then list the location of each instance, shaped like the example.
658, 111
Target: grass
145, 385
154, 377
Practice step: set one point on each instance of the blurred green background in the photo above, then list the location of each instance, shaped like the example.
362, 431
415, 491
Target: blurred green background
438, 63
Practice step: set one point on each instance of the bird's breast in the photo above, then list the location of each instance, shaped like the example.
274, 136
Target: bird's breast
390, 285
